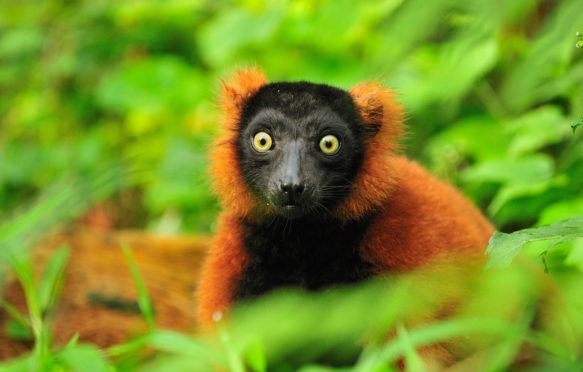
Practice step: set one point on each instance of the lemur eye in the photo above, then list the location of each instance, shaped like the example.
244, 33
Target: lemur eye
329, 144
262, 142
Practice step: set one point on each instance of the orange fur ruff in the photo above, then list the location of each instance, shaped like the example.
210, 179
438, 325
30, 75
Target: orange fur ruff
420, 218
372, 185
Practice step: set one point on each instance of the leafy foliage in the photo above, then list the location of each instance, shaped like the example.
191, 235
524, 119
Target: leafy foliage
504, 247
487, 86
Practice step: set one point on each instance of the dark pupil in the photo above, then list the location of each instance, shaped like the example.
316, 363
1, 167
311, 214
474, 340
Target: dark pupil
328, 144
262, 141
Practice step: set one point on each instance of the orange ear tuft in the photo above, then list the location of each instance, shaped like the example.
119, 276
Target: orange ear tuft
378, 109
224, 169
382, 116
237, 90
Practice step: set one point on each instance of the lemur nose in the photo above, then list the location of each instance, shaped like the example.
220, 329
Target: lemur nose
292, 190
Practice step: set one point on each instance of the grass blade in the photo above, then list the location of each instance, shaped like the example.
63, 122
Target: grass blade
53, 279
144, 301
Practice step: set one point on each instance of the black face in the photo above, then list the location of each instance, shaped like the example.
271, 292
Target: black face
300, 146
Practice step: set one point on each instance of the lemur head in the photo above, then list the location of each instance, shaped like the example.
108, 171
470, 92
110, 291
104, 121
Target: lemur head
300, 149
300, 146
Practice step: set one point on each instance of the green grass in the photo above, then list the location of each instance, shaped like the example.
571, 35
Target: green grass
293, 330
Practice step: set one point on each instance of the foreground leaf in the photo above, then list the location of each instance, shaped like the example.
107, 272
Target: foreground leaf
85, 358
53, 279
576, 123
504, 247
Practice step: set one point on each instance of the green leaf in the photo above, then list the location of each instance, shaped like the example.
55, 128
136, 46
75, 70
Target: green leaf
17, 331
21, 224
413, 360
72, 342
575, 257
234, 28
536, 129
576, 123
178, 343
14, 312
144, 301
431, 334
19, 364
84, 358
23, 270
255, 356
526, 170
234, 356
503, 247
127, 347
147, 87
513, 191
20, 41
52, 282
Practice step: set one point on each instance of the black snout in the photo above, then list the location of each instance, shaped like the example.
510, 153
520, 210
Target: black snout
292, 191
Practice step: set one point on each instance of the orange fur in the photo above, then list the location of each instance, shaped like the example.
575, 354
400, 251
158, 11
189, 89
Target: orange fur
225, 263
420, 218
376, 178
228, 183
423, 219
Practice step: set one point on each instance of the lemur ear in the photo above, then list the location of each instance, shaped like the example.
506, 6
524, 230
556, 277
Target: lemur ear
378, 109
236, 90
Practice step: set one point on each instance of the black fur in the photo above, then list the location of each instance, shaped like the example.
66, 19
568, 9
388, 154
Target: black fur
300, 114
302, 245
311, 254
299, 99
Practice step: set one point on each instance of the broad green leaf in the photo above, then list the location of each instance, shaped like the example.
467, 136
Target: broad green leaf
575, 257
503, 247
529, 169
128, 347
255, 356
536, 129
475, 137
16, 331
19, 364
84, 358
561, 210
20, 41
402, 32
148, 88
234, 28
576, 123
435, 333
546, 59
513, 191
178, 343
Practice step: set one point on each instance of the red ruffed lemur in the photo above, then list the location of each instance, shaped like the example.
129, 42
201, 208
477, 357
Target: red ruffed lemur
315, 195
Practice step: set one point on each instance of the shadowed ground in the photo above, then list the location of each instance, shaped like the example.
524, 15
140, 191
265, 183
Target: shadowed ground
99, 299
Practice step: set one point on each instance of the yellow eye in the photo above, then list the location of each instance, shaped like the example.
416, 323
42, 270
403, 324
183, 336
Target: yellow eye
329, 144
262, 142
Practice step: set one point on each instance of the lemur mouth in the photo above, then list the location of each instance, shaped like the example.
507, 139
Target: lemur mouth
292, 209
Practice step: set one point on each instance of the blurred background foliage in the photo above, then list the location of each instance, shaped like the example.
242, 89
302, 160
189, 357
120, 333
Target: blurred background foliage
490, 89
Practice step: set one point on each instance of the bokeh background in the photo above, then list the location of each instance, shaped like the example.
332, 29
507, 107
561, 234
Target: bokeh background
490, 89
